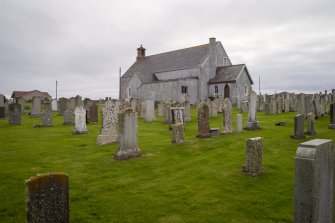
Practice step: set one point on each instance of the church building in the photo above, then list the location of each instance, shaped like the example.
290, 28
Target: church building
202, 72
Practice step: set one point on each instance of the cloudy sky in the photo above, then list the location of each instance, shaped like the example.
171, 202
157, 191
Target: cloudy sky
289, 44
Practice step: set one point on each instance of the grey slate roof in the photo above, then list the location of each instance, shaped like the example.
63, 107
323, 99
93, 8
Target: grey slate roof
169, 61
228, 74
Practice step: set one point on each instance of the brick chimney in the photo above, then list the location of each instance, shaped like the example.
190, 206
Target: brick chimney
140, 53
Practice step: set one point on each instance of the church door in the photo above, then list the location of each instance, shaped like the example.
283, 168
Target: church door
226, 91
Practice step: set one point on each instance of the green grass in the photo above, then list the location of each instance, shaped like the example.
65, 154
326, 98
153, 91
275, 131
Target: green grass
199, 181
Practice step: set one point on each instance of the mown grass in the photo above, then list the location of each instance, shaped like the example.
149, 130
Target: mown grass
199, 181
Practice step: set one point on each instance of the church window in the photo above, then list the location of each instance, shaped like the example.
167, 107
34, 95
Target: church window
184, 89
129, 92
216, 89
246, 89
225, 61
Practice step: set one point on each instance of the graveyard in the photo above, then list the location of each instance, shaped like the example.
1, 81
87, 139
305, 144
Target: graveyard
199, 180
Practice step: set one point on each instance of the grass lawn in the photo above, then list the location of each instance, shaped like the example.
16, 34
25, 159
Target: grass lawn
199, 181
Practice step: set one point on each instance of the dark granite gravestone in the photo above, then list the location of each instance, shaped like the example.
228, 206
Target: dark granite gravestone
332, 116
48, 198
68, 117
14, 113
93, 117
203, 121
62, 106
299, 127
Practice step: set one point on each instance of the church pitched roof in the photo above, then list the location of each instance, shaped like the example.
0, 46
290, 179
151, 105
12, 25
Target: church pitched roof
229, 74
169, 61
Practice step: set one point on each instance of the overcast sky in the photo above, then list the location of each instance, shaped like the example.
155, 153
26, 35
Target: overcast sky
290, 44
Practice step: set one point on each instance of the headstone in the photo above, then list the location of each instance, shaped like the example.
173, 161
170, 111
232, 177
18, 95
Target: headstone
109, 131
160, 109
332, 116
46, 116
238, 123
280, 104
2, 106
310, 124
309, 104
244, 106
267, 108
87, 103
299, 127
80, 121
62, 106
177, 115
143, 109
274, 104
35, 110
14, 114
187, 108
78, 101
227, 117
93, 118
68, 117
71, 104
314, 182
22, 102
54, 105
286, 105
293, 102
133, 104
48, 198
203, 121
149, 111
301, 103
316, 105
178, 133
252, 123
166, 112
127, 136
254, 156
326, 102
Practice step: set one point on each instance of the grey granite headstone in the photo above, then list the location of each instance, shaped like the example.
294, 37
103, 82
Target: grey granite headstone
301, 103
187, 108
332, 116
280, 104
109, 128
252, 123
227, 116
62, 106
178, 133
160, 109
68, 117
299, 127
71, 104
309, 104
149, 111
203, 121
80, 121
35, 110
238, 123
127, 135
54, 106
310, 124
274, 104
78, 101
267, 108
48, 198
254, 156
166, 112
244, 106
14, 114
93, 117
314, 182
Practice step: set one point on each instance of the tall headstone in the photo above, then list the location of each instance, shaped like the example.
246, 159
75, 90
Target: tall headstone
22, 102
35, 110
68, 117
310, 124
332, 116
127, 135
71, 104
299, 127
93, 118
274, 104
203, 121
2, 106
254, 156
244, 106
187, 108
109, 128
238, 123
227, 117
309, 104
78, 101
314, 182
46, 115
280, 104
62, 106
267, 108
14, 114
301, 103
54, 105
316, 105
177, 124
252, 123
80, 121
149, 111
48, 198
166, 112
326, 102
160, 109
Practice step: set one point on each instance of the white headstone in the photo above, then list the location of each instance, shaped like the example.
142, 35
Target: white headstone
80, 120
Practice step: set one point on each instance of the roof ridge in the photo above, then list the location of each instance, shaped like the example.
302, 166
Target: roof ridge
202, 45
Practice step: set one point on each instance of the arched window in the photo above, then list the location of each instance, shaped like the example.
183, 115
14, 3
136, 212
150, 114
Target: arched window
246, 89
226, 91
216, 89
129, 93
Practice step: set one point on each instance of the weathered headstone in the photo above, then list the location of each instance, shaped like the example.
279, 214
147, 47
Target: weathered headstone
203, 121
316, 105
62, 106
238, 123
252, 123
35, 110
187, 108
280, 104
80, 120
160, 109
54, 105
93, 118
309, 104
244, 106
310, 124
78, 101
166, 112
267, 108
178, 133
301, 103
109, 128
46, 115
177, 115
314, 182
254, 156
2, 106
71, 104
274, 104
48, 198
68, 117
227, 117
149, 111
299, 127
127, 135
14, 114
332, 116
